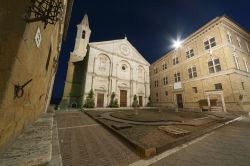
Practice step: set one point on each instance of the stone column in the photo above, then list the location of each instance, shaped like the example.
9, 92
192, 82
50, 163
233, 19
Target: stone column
223, 103
208, 102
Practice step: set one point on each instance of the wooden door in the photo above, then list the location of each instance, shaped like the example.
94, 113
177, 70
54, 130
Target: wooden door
140, 101
100, 99
123, 98
179, 100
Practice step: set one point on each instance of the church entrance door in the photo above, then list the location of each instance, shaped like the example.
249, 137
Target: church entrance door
140, 101
100, 99
123, 98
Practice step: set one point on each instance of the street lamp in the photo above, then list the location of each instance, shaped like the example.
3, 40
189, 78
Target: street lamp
177, 44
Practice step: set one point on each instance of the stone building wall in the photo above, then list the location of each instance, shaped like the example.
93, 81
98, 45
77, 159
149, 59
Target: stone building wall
230, 76
23, 60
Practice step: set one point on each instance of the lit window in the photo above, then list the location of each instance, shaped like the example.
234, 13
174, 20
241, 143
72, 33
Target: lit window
195, 90
165, 80
214, 65
192, 72
218, 86
210, 43
238, 40
177, 77
175, 60
190, 53
229, 37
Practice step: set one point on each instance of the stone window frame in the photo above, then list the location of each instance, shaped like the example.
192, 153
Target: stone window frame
175, 60
165, 80
177, 77
209, 44
164, 65
236, 60
246, 64
218, 86
155, 70
83, 34
239, 42
229, 37
189, 53
156, 83
242, 85
214, 65
247, 46
192, 72
195, 89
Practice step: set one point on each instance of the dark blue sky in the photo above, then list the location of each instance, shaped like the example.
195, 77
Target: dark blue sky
148, 24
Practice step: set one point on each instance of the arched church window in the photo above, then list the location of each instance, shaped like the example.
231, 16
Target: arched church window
83, 34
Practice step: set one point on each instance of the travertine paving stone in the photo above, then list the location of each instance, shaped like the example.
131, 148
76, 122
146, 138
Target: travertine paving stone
228, 146
89, 143
33, 147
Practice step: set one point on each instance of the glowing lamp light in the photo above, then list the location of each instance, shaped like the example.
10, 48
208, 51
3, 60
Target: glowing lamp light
177, 44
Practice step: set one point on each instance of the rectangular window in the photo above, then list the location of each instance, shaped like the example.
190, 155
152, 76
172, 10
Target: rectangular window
238, 40
242, 85
165, 80
190, 53
195, 90
177, 77
175, 60
247, 47
192, 73
166, 93
236, 61
156, 83
156, 94
208, 44
218, 86
246, 65
214, 65
229, 37
155, 70
83, 34
164, 66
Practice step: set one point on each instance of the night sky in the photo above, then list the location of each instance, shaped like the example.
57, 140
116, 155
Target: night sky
149, 24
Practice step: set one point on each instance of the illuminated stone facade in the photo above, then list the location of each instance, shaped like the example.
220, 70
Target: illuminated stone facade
105, 67
214, 58
29, 54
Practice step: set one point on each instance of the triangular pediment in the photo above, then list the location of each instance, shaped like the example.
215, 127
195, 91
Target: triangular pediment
120, 47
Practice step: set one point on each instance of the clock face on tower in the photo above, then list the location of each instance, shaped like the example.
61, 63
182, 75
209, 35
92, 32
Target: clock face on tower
125, 50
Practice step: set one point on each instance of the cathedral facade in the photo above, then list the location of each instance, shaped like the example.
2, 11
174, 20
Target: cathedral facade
105, 67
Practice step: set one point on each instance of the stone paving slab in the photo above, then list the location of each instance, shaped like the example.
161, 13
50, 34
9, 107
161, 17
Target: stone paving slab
33, 146
228, 146
88, 143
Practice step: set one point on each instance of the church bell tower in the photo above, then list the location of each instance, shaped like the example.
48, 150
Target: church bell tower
81, 41
73, 92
